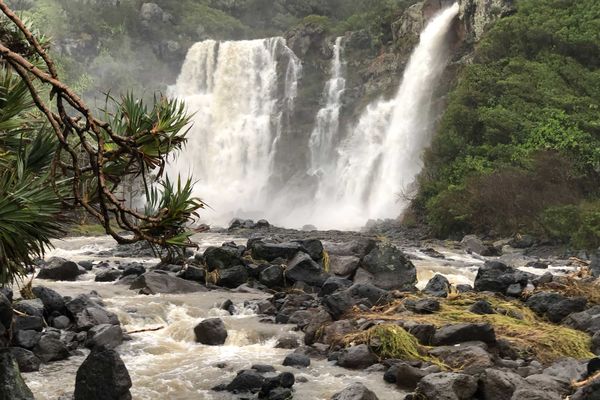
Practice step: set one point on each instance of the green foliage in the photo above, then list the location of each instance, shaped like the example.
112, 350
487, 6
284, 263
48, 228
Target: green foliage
575, 224
534, 86
29, 206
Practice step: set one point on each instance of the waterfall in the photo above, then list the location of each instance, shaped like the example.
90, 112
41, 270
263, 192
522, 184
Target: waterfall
323, 138
244, 152
381, 157
234, 89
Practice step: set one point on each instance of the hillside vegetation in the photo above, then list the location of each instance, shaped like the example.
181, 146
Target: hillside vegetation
518, 149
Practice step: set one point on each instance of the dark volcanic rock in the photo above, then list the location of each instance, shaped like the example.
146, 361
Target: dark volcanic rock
302, 268
105, 335
50, 349
211, 332
404, 375
497, 277
27, 361
108, 275
246, 381
426, 306
313, 247
481, 307
12, 385
471, 359
191, 273
388, 268
344, 266
272, 276
460, 333
155, 282
500, 385
51, 299
438, 286
7, 292
340, 302
334, 284
555, 306
134, 269
356, 391
272, 251
102, 376
26, 339
296, 360
588, 320
233, 277
447, 386
357, 357
595, 264
223, 257
59, 269
34, 308
26, 323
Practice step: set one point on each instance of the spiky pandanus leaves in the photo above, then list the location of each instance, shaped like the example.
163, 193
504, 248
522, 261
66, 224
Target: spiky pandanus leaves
29, 211
98, 154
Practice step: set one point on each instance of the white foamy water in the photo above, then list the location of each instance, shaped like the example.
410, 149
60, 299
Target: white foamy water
168, 364
250, 161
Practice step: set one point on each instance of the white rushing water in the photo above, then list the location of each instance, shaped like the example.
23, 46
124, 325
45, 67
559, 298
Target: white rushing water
382, 155
242, 144
323, 138
233, 89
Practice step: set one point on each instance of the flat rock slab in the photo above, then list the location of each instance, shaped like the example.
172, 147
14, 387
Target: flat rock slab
156, 282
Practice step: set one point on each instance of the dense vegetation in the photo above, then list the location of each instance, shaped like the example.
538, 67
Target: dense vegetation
518, 149
106, 46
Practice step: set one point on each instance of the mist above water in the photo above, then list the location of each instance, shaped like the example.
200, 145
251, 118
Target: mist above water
243, 95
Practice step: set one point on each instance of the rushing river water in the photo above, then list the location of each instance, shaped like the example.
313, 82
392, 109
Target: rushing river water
168, 364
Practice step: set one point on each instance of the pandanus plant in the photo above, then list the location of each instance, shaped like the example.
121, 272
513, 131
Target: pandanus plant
56, 154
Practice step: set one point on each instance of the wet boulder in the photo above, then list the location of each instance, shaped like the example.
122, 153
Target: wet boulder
246, 381
211, 332
26, 339
334, 284
296, 360
108, 275
226, 256
49, 348
27, 361
60, 322
404, 375
52, 300
272, 251
357, 357
156, 282
497, 277
467, 357
588, 320
102, 376
304, 269
59, 269
356, 391
447, 386
27, 323
344, 266
33, 308
233, 276
134, 268
340, 302
461, 333
357, 248
472, 244
92, 316
387, 268
313, 247
438, 286
272, 276
482, 307
12, 385
192, 273
500, 385
555, 306
105, 335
